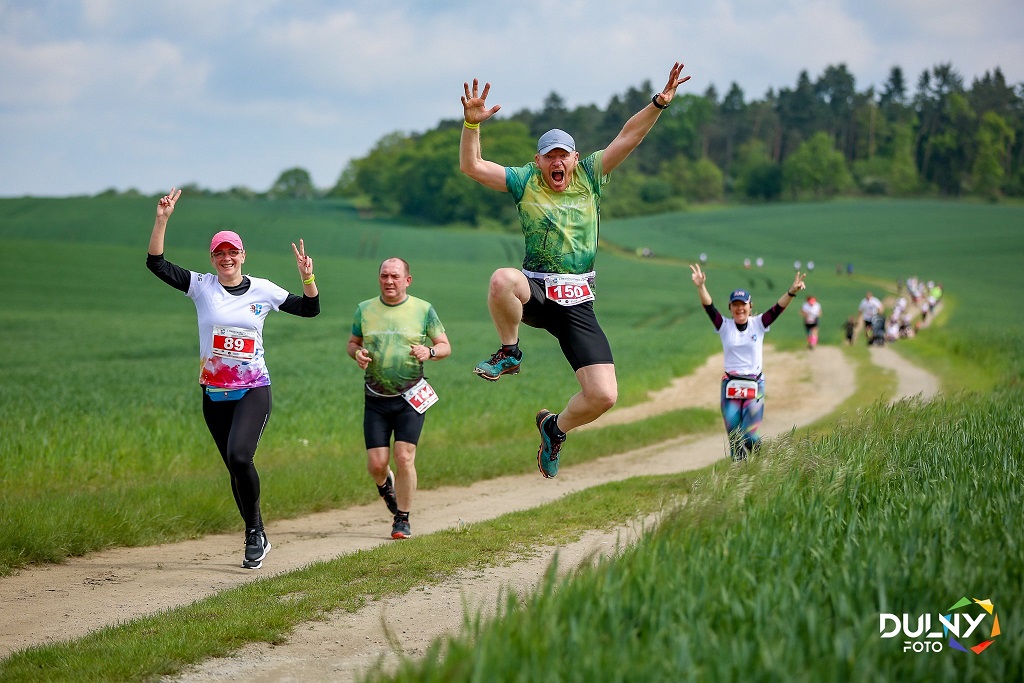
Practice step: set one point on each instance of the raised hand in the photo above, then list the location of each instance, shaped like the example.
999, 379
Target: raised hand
798, 282
674, 81
305, 263
698, 276
474, 103
165, 207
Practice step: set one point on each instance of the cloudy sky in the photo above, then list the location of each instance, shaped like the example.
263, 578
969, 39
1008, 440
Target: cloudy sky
120, 93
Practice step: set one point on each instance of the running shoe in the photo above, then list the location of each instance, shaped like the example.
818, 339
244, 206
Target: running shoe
401, 529
547, 454
501, 363
387, 492
257, 545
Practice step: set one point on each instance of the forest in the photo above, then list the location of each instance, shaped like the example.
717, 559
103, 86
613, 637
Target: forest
820, 139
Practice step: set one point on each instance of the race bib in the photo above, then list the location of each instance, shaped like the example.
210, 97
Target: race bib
238, 343
568, 290
421, 396
741, 388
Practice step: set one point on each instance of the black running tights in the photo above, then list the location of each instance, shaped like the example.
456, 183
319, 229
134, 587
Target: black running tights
236, 427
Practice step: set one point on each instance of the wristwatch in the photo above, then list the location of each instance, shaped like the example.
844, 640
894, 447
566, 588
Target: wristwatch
433, 353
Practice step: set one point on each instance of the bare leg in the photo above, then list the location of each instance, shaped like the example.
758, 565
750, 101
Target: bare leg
377, 460
598, 393
405, 478
508, 292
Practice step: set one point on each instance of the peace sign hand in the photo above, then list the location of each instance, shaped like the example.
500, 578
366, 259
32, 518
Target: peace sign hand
698, 276
165, 207
305, 263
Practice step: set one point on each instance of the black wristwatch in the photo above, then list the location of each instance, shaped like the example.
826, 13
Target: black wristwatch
433, 353
654, 101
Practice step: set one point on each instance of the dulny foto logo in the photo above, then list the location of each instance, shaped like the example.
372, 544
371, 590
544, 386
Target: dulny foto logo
969, 625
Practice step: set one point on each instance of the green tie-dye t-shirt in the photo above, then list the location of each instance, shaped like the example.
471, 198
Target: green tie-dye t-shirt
560, 227
388, 332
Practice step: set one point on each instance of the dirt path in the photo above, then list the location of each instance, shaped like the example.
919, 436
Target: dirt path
67, 601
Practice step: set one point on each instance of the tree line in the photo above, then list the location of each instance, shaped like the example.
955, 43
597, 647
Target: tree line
819, 139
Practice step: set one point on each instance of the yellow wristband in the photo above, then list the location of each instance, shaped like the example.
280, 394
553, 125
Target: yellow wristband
311, 280
471, 126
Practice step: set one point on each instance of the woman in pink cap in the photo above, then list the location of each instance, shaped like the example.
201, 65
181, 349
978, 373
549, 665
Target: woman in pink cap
742, 336
233, 375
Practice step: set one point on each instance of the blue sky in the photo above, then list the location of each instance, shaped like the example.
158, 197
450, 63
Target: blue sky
119, 93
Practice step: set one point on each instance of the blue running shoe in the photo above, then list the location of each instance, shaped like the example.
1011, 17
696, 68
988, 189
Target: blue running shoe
501, 363
400, 529
547, 454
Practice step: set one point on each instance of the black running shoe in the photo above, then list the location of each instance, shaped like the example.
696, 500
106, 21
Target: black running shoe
387, 492
257, 545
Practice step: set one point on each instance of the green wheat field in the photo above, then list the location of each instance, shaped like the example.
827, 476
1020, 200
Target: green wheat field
777, 571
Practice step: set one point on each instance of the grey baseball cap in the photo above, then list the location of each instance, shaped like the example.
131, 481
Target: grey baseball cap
555, 139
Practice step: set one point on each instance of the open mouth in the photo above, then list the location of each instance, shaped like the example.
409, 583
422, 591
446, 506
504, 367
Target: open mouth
558, 176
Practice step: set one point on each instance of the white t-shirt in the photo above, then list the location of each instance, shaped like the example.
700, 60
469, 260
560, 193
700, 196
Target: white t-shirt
231, 330
869, 308
743, 350
811, 311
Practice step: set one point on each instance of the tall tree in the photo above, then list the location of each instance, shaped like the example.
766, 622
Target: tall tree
295, 183
836, 89
995, 141
799, 113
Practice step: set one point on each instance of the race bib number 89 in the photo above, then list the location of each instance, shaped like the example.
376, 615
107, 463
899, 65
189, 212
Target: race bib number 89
234, 342
568, 290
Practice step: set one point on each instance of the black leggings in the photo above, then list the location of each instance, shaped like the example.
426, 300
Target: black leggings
236, 427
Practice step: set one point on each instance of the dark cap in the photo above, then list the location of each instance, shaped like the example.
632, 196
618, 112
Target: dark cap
740, 295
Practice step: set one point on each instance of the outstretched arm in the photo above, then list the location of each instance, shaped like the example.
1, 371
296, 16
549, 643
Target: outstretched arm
471, 162
164, 209
640, 124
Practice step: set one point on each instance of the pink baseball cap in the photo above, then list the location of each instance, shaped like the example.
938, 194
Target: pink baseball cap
226, 237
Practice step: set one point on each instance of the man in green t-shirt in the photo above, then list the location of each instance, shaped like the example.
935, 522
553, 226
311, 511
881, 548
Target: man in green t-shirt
390, 336
558, 197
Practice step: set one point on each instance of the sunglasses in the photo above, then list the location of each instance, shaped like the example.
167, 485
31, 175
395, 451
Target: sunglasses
229, 252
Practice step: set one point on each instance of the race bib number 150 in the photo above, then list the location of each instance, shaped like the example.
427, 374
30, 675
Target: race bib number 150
568, 290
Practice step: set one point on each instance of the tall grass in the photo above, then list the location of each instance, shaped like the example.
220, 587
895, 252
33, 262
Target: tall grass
779, 570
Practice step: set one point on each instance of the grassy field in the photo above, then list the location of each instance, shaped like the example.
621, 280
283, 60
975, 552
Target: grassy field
103, 443
101, 430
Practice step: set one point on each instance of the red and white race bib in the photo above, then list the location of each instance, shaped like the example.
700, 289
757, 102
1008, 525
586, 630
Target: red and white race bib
568, 290
420, 396
238, 343
741, 388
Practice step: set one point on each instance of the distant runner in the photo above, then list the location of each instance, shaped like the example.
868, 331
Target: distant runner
233, 372
743, 341
870, 307
558, 198
811, 313
389, 341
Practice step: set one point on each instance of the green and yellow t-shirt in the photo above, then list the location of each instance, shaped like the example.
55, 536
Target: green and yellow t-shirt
561, 228
388, 332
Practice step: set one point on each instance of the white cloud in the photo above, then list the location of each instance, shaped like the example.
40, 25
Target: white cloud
227, 93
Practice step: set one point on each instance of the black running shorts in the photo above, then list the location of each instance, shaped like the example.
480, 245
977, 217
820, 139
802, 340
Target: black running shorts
384, 416
576, 328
